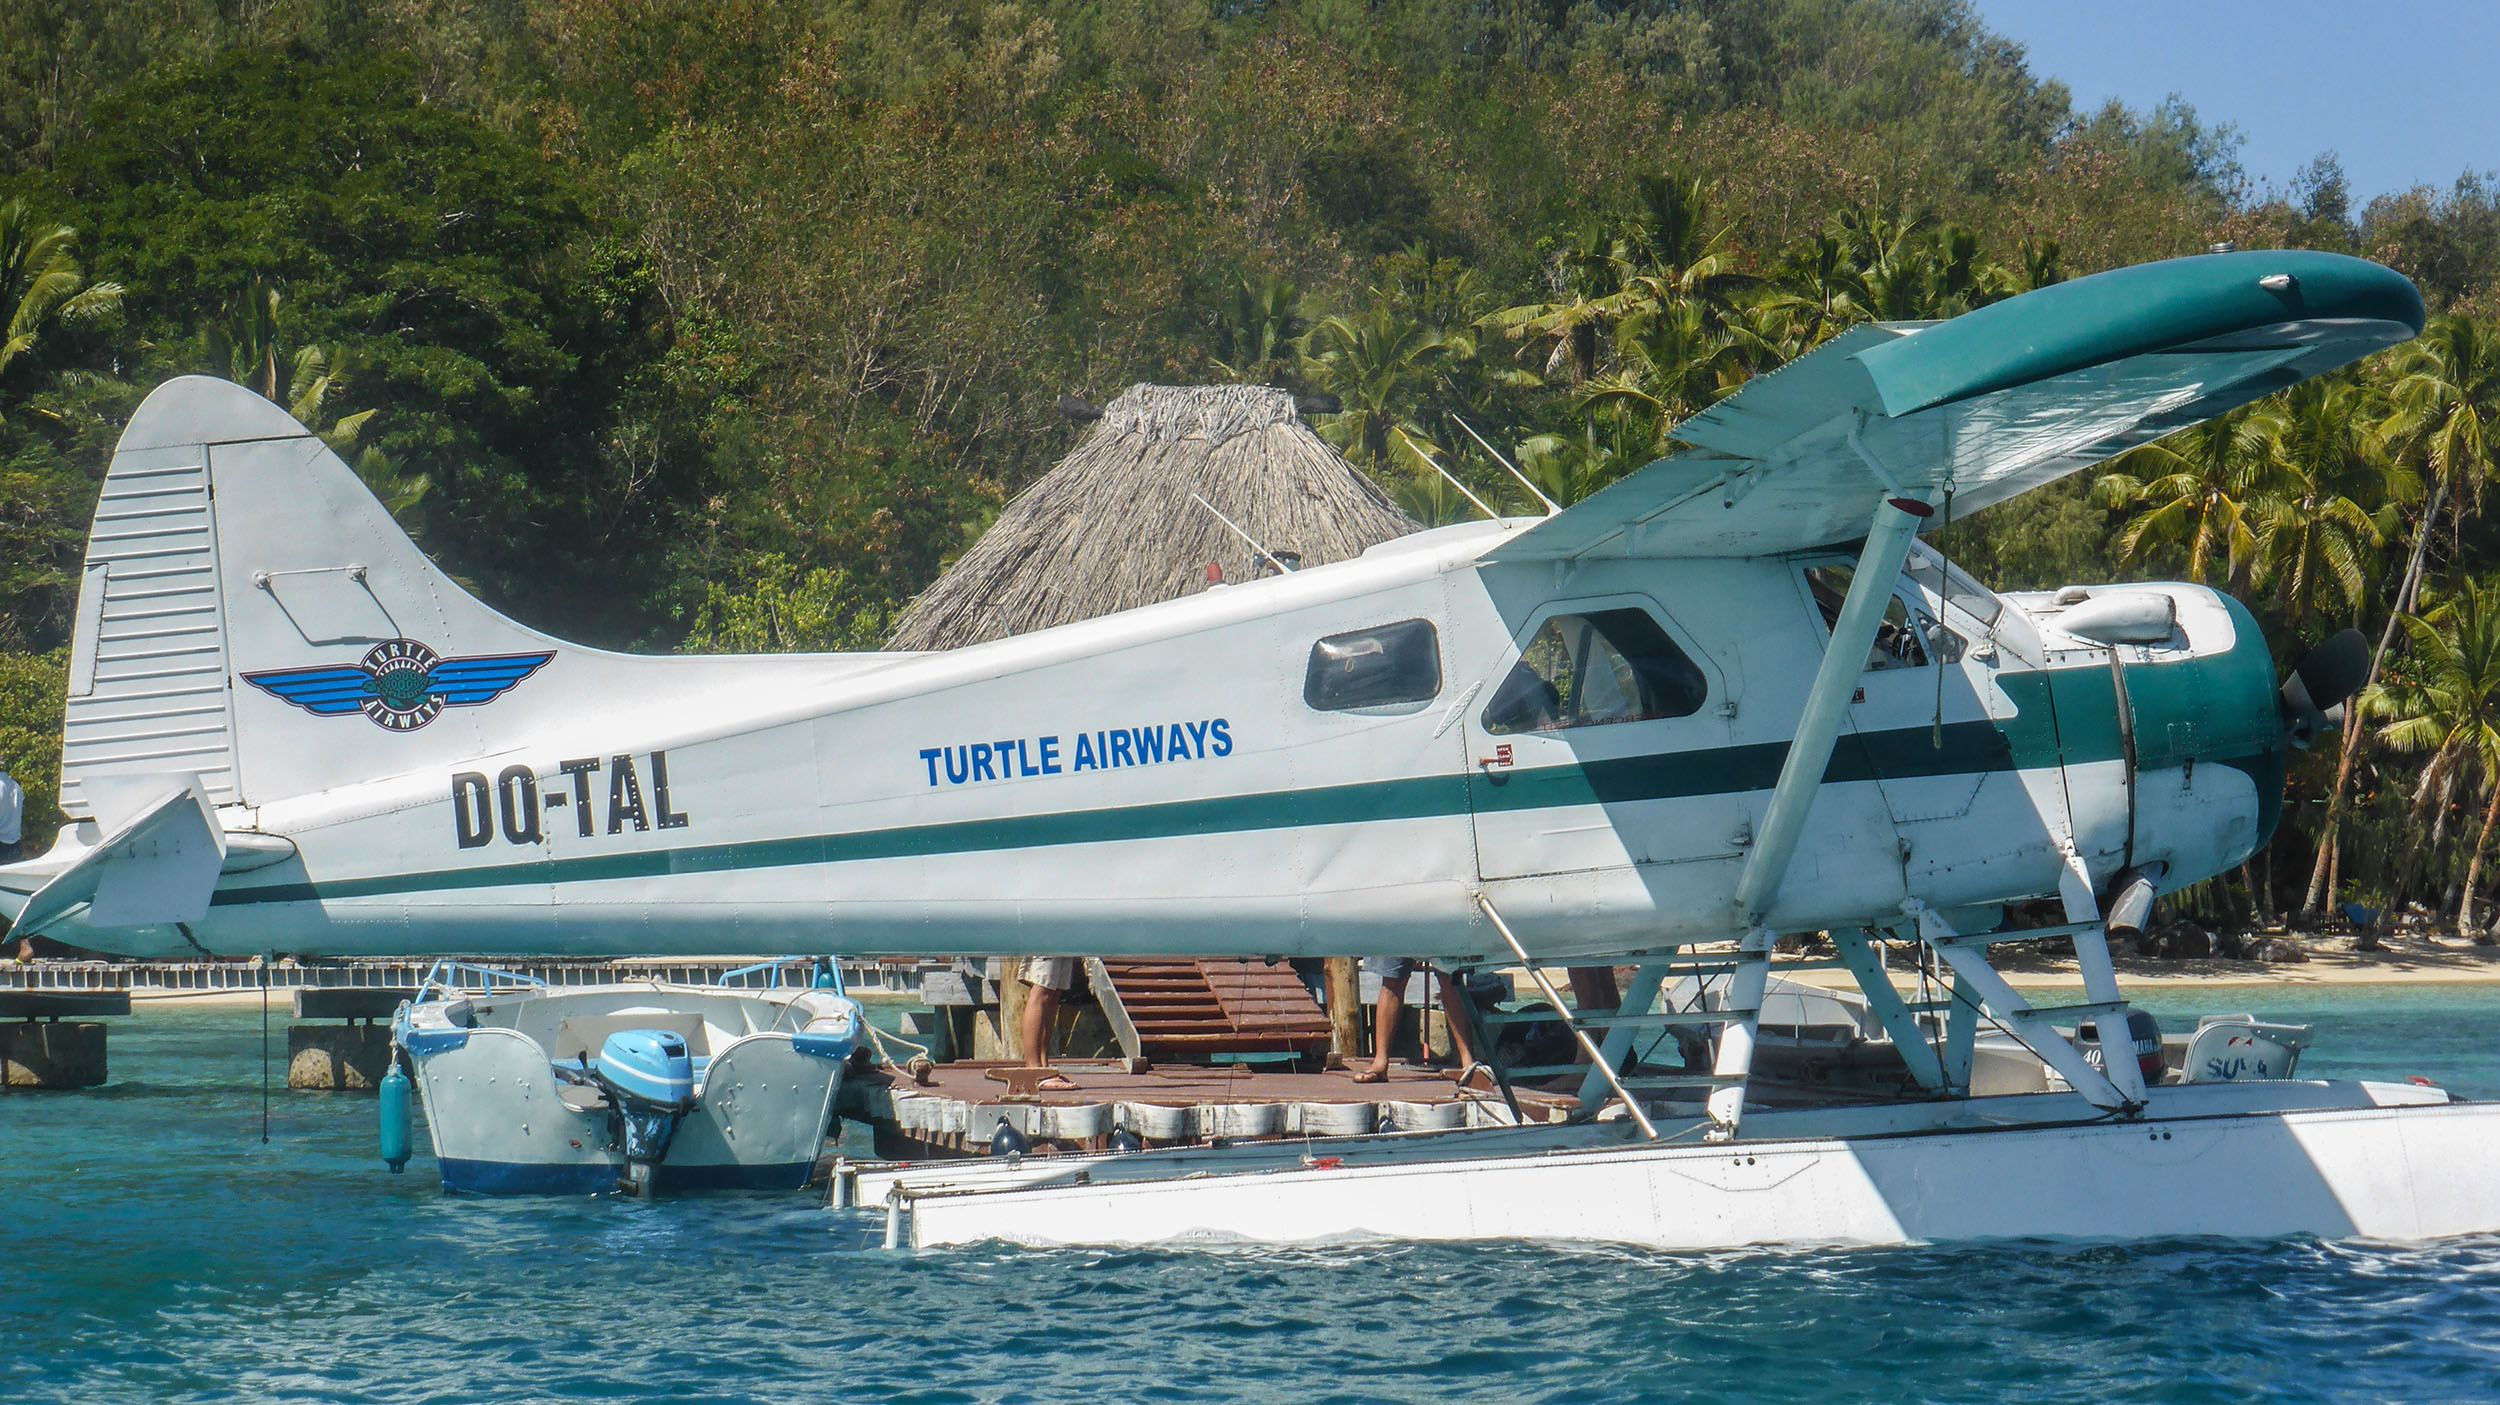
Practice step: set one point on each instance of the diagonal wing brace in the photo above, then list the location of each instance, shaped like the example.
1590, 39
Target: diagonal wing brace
1887, 546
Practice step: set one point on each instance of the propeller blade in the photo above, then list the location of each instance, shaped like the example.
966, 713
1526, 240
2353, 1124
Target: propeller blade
2326, 676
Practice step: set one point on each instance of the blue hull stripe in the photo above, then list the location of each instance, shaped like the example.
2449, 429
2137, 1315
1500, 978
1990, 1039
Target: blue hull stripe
523, 1178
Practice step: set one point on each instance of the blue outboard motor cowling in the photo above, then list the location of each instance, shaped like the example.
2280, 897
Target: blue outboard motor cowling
649, 1066
649, 1080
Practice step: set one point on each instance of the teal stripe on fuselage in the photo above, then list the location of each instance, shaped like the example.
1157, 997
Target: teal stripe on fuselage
1902, 754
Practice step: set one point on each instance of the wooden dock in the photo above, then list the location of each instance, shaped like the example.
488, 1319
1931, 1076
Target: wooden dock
959, 1110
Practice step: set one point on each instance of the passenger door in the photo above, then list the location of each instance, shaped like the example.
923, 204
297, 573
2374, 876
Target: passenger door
1600, 741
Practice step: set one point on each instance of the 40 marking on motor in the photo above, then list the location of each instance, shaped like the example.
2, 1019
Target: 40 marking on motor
517, 803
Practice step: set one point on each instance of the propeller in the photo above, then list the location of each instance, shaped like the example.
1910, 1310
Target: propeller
2314, 696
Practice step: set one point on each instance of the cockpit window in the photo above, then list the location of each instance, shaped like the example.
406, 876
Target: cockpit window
1380, 667
1949, 582
1905, 637
1590, 669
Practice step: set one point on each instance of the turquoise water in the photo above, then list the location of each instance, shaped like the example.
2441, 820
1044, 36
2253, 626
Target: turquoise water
156, 1250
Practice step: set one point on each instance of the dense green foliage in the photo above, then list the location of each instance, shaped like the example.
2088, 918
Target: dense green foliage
722, 324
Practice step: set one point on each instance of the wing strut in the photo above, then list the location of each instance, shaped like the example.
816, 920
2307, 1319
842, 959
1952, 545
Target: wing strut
1827, 702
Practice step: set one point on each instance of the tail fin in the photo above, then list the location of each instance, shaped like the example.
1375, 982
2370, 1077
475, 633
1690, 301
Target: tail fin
252, 617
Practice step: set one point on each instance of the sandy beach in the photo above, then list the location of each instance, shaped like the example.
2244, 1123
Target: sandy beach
2405, 960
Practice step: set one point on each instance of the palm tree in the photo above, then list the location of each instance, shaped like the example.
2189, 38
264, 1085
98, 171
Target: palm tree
2333, 495
1258, 324
1585, 279
2447, 397
1667, 255
41, 284
1817, 290
1381, 367
2449, 707
1671, 363
2194, 496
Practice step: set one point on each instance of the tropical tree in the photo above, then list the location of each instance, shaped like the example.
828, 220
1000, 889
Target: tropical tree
2447, 706
2192, 493
1669, 254
41, 284
1257, 325
1670, 362
1584, 299
1381, 367
1817, 290
2447, 397
2333, 493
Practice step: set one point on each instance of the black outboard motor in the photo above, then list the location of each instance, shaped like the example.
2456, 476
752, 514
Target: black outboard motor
649, 1079
2144, 1032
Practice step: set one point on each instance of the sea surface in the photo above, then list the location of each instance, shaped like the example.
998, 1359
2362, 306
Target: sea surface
157, 1250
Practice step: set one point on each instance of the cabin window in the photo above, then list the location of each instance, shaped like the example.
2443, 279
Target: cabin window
1380, 667
1591, 669
1904, 638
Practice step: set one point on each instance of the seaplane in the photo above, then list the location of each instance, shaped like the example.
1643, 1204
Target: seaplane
1731, 697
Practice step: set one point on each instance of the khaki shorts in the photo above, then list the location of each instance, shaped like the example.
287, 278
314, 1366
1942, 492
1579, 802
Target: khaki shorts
1050, 972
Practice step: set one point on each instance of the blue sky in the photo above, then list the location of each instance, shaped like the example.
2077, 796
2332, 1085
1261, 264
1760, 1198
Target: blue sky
2403, 91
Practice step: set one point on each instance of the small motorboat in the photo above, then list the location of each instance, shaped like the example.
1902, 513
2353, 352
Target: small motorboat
638, 1086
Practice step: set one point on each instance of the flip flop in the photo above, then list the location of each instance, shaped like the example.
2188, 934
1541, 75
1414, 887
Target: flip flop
1372, 1075
1056, 1083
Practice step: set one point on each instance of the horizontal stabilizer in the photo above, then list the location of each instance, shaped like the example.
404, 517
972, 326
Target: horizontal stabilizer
158, 862
1988, 405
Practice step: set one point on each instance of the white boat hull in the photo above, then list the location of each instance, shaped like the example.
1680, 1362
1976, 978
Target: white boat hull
503, 1123
2391, 1163
500, 1128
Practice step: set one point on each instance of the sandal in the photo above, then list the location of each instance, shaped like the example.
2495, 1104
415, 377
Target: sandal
1372, 1075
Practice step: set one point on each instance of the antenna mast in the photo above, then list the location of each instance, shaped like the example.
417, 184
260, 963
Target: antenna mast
1551, 506
1447, 476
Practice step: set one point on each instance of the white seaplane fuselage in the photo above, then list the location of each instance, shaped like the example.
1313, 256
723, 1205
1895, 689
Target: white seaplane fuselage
1158, 782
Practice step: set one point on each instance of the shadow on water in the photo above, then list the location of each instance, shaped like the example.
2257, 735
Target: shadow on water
158, 1251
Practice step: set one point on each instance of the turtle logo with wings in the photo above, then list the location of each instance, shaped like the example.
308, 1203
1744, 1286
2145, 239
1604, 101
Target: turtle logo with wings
400, 684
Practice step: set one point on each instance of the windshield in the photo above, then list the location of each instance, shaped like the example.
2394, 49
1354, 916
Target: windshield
1945, 581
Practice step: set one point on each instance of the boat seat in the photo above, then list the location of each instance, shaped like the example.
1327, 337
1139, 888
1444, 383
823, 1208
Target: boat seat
579, 1035
580, 1098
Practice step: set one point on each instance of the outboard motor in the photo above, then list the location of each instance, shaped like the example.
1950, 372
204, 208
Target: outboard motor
2144, 1033
649, 1079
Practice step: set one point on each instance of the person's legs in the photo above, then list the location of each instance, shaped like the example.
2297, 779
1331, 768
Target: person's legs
1392, 972
1461, 1014
1041, 1011
1046, 978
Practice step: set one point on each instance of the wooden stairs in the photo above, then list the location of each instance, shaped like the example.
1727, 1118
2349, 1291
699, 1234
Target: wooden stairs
1184, 1011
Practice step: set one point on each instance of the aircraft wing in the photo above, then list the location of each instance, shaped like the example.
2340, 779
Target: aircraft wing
1990, 404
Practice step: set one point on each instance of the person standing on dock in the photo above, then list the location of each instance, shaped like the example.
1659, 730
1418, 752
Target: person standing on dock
1047, 979
1390, 1004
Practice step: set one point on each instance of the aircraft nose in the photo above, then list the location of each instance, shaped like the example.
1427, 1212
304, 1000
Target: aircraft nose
2215, 702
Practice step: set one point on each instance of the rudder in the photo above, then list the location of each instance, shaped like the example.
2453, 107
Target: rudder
240, 580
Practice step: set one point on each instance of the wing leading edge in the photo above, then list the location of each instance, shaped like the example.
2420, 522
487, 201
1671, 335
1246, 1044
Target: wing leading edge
1988, 405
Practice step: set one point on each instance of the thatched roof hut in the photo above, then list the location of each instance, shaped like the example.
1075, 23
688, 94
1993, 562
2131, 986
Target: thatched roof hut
1113, 527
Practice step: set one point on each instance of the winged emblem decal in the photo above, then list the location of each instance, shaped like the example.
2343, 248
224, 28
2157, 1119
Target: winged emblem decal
400, 684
